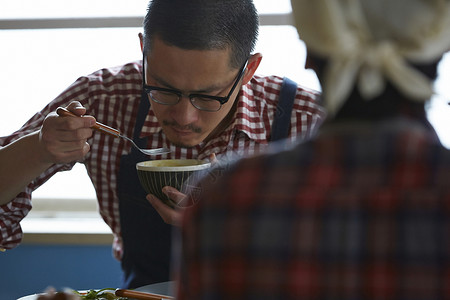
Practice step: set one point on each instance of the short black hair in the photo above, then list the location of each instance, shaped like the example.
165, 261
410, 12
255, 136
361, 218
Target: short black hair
204, 25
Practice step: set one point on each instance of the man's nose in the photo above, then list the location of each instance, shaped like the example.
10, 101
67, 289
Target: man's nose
184, 113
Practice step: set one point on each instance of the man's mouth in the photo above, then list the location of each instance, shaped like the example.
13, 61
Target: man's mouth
182, 130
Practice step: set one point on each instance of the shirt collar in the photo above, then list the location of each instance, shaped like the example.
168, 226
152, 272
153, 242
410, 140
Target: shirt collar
249, 117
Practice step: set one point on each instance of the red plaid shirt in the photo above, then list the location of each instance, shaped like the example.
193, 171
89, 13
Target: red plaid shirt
112, 96
361, 212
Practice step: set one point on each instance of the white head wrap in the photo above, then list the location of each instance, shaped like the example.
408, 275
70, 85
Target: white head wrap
370, 41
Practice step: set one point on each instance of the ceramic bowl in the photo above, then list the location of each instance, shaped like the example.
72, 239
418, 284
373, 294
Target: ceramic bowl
181, 174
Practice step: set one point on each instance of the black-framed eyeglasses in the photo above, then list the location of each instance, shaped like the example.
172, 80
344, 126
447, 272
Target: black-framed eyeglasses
202, 102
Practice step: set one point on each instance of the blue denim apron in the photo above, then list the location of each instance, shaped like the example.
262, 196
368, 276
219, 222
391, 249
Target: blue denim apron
146, 238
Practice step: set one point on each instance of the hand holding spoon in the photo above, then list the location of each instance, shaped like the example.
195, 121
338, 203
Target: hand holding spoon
113, 132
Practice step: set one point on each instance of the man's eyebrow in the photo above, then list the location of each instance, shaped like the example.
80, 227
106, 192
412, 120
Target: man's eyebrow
162, 82
167, 85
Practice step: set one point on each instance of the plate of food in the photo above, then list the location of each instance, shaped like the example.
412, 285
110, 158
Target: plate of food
161, 291
68, 294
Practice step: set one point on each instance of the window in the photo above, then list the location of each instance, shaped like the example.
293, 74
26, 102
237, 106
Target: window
46, 51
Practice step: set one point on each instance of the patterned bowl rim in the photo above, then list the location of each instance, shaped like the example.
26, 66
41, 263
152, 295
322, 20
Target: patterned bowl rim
197, 165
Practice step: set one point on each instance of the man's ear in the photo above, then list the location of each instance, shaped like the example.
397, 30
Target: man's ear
141, 40
252, 65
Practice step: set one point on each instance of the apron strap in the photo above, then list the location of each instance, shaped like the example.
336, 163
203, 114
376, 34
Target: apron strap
282, 120
146, 238
144, 106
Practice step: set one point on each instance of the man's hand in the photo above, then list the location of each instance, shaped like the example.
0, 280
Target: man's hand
63, 139
59, 140
168, 214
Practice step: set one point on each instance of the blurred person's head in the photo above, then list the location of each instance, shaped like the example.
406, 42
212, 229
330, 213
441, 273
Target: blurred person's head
197, 54
374, 59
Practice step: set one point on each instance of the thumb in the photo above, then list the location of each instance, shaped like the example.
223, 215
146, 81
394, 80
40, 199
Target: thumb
76, 108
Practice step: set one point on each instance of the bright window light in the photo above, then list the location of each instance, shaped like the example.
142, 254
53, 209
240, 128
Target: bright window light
38, 64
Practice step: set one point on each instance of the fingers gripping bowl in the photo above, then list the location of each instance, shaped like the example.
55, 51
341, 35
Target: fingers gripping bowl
181, 174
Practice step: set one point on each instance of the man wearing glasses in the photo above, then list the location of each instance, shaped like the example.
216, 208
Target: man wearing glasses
195, 93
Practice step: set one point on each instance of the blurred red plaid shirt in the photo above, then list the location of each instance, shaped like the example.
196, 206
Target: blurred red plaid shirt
361, 212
